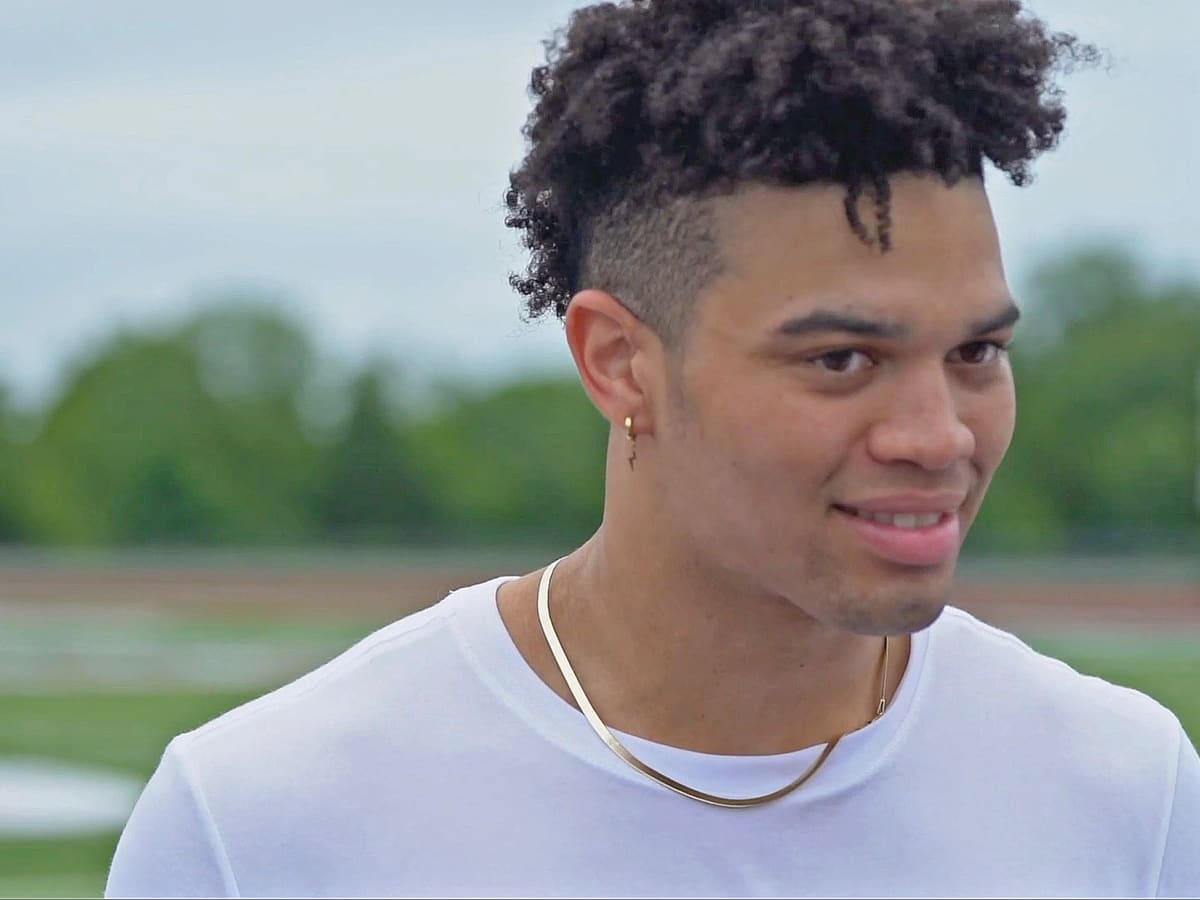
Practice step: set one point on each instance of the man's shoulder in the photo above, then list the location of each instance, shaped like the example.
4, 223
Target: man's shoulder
391, 672
1054, 707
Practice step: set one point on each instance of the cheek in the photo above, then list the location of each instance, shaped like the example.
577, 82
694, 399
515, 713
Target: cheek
773, 460
774, 430
758, 449
1001, 422
749, 452
993, 421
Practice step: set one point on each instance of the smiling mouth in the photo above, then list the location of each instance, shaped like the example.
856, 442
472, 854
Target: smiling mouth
910, 538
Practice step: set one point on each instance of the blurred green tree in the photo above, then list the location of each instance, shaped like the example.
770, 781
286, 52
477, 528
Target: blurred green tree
184, 436
524, 461
371, 487
14, 516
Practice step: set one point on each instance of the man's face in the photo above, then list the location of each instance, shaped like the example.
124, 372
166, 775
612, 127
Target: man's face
838, 413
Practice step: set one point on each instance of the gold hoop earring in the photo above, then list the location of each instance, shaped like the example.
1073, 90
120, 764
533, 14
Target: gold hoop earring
631, 438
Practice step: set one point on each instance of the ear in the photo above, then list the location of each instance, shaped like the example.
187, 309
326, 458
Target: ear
614, 352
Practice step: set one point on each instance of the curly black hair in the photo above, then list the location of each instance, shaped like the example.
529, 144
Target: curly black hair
647, 109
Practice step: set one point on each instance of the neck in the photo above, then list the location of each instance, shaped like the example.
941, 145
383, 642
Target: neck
669, 651
679, 657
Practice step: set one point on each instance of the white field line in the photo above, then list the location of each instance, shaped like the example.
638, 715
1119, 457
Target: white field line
40, 798
106, 659
103, 655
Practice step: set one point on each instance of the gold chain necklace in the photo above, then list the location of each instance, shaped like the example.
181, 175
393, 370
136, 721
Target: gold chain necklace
602, 730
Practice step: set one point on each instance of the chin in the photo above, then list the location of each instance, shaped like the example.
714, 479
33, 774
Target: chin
916, 615
876, 597
894, 606
899, 617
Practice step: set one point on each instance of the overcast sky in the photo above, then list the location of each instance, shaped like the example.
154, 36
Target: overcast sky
352, 156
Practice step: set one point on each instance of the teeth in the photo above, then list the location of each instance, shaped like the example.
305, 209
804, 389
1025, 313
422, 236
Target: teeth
903, 520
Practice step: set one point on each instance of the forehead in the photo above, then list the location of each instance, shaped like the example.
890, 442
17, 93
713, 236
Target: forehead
787, 248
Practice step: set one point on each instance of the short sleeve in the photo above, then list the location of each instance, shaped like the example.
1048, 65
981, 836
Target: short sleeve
1180, 875
170, 847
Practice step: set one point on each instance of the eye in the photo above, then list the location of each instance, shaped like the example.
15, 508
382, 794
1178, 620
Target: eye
979, 353
843, 362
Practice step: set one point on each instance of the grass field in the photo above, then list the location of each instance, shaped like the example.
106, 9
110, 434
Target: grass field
126, 730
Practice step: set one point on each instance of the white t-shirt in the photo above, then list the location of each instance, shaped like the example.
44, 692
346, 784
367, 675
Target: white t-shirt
429, 759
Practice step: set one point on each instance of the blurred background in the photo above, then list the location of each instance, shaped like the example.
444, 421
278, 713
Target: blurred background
264, 387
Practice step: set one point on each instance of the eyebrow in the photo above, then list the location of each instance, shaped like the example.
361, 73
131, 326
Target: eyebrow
1006, 318
823, 320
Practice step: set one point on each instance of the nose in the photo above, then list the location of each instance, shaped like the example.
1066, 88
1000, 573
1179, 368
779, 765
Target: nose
922, 424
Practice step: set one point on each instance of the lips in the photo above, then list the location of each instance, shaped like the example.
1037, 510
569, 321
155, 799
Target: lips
906, 537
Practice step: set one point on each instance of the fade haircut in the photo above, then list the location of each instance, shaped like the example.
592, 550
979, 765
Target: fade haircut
646, 110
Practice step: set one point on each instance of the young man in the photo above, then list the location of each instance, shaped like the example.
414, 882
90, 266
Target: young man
766, 228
